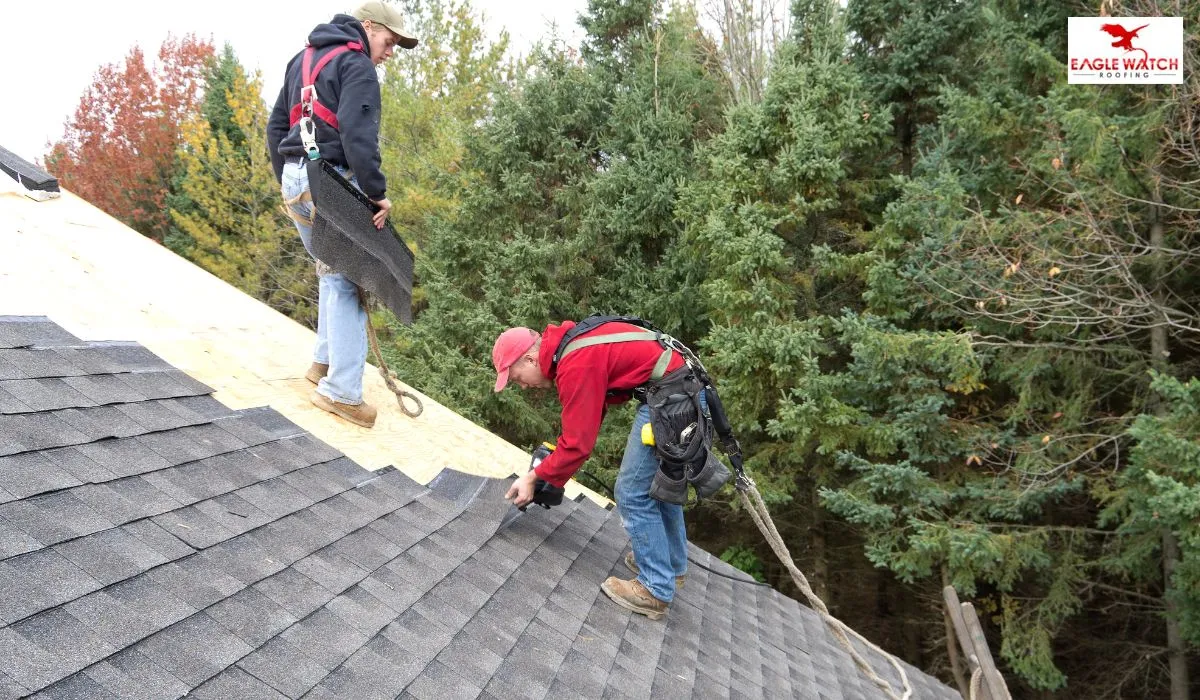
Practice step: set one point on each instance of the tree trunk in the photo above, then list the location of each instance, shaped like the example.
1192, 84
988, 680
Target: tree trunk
904, 134
1176, 650
816, 541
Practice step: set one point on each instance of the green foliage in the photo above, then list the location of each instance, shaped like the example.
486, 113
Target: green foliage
566, 207
744, 559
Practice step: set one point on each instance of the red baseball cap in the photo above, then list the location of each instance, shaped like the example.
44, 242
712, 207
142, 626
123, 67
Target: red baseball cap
509, 348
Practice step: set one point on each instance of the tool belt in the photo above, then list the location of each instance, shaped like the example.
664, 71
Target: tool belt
683, 438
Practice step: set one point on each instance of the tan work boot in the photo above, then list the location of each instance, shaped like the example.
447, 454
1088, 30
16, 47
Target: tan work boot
633, 596
631, 563
316, 372
359, 414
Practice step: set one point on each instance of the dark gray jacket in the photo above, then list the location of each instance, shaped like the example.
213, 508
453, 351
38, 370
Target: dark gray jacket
349, 87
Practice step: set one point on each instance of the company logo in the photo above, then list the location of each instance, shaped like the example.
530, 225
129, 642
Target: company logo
1127, 50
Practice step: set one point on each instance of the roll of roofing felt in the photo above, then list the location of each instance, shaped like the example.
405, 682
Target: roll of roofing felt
345, 238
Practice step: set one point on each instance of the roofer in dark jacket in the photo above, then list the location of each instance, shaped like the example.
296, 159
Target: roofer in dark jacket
344, 54
588, 380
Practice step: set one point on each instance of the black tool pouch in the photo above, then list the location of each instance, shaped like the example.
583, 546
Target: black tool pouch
682, 439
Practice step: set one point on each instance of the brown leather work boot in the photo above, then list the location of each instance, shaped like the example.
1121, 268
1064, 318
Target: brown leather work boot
631, 563
361, 414
633, 596
316, 372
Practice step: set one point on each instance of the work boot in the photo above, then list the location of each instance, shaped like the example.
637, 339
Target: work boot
359, 414
632, 564
316, 372
633, 596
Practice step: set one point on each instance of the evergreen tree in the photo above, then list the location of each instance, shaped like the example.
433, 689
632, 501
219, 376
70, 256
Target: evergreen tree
568, 208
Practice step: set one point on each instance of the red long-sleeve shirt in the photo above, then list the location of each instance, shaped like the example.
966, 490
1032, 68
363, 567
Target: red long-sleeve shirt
583, 380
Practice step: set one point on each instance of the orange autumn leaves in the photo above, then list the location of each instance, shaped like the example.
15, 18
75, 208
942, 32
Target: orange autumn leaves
118, 149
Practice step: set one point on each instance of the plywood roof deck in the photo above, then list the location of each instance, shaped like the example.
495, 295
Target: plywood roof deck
98, 279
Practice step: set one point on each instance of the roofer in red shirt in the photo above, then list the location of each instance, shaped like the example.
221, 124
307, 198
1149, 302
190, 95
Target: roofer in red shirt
606, 361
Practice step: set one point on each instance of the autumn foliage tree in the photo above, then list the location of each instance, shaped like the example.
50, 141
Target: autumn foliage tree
118, 149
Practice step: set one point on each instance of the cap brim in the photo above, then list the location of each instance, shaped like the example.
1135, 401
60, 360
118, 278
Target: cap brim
406, 42
501, 380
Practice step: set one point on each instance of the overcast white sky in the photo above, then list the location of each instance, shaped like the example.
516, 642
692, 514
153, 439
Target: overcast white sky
51, 53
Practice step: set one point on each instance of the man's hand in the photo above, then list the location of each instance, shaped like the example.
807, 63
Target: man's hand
385, 206
521, 492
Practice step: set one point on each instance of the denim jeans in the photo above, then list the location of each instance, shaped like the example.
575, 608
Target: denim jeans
656, 529
341, 320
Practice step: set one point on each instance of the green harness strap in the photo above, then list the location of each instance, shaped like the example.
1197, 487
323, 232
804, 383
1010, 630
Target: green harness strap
660, 367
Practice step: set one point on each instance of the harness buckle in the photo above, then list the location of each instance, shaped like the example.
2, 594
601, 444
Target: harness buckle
308, 93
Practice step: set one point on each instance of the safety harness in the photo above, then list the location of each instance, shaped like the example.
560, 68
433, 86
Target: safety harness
310, 104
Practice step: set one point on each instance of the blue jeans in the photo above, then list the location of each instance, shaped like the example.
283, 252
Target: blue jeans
341, 320
656, 529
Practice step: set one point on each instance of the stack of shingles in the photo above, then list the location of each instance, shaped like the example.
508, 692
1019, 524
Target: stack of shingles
155, 544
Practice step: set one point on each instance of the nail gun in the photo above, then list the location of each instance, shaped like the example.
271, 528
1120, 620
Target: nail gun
544, 493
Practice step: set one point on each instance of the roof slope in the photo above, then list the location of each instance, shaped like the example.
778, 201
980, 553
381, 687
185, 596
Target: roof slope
99, 279
154, 544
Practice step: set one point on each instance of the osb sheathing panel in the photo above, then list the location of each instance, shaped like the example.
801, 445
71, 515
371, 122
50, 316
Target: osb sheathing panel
100, 280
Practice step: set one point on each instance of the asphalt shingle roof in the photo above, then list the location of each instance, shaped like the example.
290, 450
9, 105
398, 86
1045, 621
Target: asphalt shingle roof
155, 544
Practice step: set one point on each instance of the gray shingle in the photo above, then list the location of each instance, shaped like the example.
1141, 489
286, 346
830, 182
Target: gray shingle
284, 667
471, 660
88, 359
126, 499
53, 517
437, 682
78, 465
76, 687
362, 611
75, 645
151, 600
47, 394
174, 446
154, 416
213, 439
243, 559
131, 675
196, 581
35, 431
233, 513
159, 539
205, 407
110, 619
39, 331
7, 369
23, 596
100, 422
123, 456
14, 540
104, 389
30, 473
252, 616
130, 357
33, 364
295, 592
195, 649
10, 404
236, 683
26, 662
163, 384
110, 555
334, 573
326, 638
193, 527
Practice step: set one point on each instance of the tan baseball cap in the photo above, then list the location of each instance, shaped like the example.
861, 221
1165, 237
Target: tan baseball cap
382, 13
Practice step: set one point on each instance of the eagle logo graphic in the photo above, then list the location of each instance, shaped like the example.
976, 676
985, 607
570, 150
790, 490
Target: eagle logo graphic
1124, 37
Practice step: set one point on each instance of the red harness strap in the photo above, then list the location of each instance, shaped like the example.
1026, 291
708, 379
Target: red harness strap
309, 104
